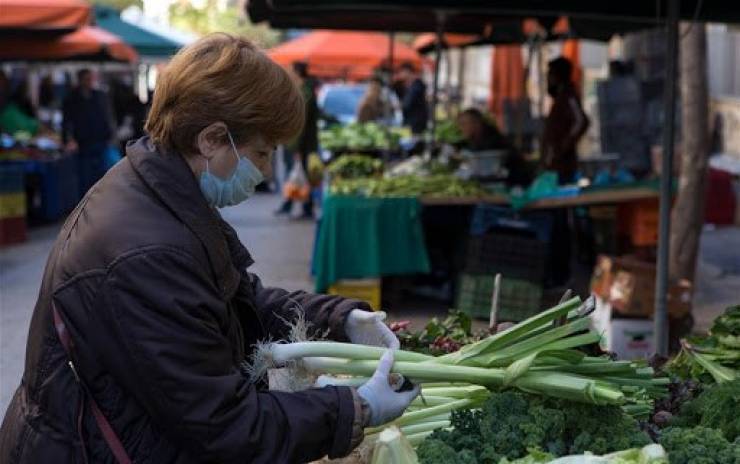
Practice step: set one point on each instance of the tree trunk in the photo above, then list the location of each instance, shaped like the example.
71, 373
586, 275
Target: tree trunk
688, 211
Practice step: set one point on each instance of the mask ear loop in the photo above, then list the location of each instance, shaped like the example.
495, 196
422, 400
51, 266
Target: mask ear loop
236, 152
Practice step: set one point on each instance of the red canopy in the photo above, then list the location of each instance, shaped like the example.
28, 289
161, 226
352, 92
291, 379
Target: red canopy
346, 54
43, 15
86, 43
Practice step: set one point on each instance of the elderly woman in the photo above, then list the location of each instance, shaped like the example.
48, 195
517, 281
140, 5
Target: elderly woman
147, 311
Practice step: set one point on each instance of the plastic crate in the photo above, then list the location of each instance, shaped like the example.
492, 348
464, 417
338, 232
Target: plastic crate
12, 230
12, 205
639, 220
11, 177
518, 299
53, 187
368, 290
512, 256
488, 217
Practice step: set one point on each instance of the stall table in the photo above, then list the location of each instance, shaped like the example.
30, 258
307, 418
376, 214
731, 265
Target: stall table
361, 237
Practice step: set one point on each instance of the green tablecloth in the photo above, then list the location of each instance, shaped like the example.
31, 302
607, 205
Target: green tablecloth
368, 237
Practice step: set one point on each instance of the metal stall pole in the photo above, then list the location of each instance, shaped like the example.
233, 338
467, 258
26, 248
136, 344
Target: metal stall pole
435, 91
666, 177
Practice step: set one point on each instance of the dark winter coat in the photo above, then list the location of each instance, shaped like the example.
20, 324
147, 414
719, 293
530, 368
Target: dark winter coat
153, 287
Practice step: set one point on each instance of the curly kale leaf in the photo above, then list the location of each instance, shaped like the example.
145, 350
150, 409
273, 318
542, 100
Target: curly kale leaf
699, 445
717, 407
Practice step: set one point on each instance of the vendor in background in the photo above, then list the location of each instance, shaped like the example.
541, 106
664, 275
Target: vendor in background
480, 134
308, 140
87, 128
414, 99
13, 118
566, 123
371, 107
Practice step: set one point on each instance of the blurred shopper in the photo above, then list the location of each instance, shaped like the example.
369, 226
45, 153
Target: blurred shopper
12, 118
480, 134
414, 100
372, 106
129, 111
566, 123
147, 310
308, 140
20, 97
87, 128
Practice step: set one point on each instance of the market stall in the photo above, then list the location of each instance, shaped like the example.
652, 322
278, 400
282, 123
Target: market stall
41, 178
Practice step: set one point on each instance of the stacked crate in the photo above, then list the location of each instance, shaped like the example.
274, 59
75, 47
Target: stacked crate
12, 204
511, 244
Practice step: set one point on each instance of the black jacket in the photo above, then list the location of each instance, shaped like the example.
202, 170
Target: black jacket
86, 118
154, 289
415, 111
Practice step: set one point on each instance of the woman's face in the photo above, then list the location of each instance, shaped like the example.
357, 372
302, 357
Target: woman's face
222, 160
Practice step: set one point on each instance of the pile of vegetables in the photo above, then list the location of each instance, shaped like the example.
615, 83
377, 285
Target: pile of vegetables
355, 166
539, 355
448, 132
512, 425
437, 337
441, 185
715, 357
359, 137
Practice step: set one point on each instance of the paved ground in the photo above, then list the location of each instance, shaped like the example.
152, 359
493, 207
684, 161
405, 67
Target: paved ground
282, 251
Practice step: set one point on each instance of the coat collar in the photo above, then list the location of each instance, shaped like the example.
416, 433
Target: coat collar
172, 181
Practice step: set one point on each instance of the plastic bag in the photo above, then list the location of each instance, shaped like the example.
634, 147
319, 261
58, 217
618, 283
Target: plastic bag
297, 187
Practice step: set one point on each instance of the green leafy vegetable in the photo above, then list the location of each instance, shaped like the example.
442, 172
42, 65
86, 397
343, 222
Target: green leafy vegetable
699, 445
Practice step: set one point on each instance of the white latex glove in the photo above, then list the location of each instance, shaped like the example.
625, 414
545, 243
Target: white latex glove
368, 328
385, 404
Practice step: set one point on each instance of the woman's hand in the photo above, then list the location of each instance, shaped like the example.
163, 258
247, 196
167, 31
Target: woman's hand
385, 403
368, 328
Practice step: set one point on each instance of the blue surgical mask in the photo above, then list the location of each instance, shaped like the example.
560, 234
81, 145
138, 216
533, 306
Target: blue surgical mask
234, 190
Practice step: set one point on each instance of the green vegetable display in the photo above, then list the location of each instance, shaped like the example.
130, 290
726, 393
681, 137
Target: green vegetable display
714, 357
699, 445
438, 336
368, 136
448, 132
512, 424
440, 185
355, 166
717, 407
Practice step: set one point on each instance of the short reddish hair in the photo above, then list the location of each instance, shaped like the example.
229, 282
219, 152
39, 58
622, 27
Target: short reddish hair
225, 78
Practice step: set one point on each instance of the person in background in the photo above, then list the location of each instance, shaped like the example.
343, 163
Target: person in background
414, 100
130, 113
371, 107
20, 97
566, 123
87, 128
308, 140
12, 118
480, 133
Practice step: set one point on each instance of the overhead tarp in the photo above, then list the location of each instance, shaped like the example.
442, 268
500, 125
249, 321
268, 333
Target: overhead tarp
628, 10
146, 43
88, 43
343, 54
42, 16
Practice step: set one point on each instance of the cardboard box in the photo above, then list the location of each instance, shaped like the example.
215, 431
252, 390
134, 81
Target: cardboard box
628, 285
627, 338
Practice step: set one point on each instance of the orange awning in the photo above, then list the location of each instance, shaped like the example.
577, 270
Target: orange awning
343, 54
426, 42
86, 43
507, 82
44, 15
